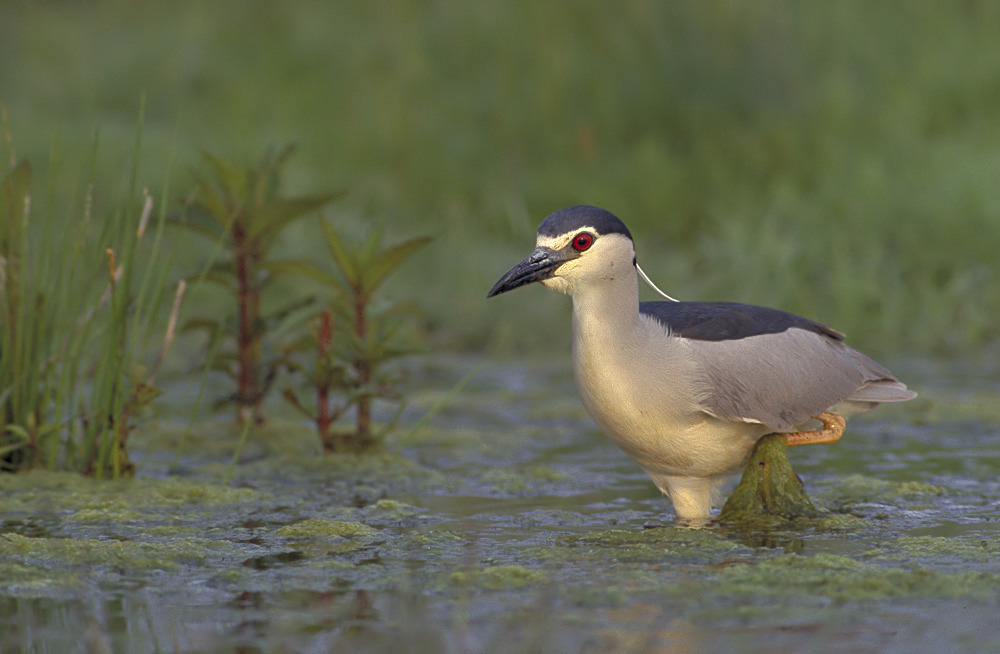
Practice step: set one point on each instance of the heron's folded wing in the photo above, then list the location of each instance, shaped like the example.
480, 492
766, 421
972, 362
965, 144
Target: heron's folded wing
783, 379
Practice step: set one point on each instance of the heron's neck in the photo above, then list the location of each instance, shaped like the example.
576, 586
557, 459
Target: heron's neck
605, 312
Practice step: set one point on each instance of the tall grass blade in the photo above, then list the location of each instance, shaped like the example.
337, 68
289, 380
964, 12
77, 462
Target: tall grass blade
239, 450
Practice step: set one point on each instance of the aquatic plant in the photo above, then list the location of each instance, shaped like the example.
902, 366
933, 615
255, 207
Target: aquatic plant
241, 209
121, 386
351, 339
79, 314
24, 393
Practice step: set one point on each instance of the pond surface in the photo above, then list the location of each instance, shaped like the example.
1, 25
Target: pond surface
509, 524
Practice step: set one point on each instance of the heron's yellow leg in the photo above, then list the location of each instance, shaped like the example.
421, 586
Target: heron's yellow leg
833, 429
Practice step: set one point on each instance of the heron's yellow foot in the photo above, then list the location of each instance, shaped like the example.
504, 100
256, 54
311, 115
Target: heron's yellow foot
833, 429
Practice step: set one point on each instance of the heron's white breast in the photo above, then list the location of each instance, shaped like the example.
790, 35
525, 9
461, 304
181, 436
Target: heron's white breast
640, 387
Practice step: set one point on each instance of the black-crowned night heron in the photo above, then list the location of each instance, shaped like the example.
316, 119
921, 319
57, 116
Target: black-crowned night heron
687, 388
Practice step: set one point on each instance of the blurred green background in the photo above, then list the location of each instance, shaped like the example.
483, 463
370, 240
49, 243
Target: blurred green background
839, 160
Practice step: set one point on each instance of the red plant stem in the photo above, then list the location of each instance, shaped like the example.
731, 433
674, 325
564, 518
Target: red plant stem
246, 384
361, 365
323, 388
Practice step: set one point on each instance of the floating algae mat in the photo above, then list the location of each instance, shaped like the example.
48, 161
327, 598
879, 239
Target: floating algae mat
510, 524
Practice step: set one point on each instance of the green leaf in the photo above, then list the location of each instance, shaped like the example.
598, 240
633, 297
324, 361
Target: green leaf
303, 269
274, 216
142, 395
289, 315
219, 208
389, 260
18, 431
293, 399
222, 273
232, 179
370, 248
399, 352
267, 174
194, 220
7, 449
347, 264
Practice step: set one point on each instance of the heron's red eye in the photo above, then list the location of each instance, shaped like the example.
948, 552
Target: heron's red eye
582, 241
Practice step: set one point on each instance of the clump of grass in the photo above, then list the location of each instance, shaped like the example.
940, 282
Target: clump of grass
78, 316
352, 341
80, 306
23, 421
241, 209
122, 387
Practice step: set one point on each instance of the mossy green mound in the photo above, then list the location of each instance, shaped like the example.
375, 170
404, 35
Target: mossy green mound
769, 491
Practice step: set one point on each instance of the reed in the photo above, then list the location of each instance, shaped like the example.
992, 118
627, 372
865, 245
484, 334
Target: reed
83, 296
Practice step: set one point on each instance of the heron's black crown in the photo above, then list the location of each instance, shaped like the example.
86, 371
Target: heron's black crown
573, 218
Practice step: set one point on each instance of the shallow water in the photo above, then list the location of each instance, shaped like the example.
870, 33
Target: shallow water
510, 524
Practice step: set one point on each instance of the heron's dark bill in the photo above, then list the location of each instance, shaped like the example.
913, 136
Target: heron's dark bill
535, 267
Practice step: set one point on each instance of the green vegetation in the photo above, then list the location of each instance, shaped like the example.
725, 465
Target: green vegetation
769, 492
240, 209
838, 160
353, 363
832, 159
81, 302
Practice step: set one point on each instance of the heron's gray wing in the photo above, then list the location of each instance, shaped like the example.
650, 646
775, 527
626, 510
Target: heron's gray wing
764, 365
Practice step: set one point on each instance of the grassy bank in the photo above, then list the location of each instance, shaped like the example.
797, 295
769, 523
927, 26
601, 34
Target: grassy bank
835, 160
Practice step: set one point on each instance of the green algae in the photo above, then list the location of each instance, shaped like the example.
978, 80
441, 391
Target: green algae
433, 543
967, 548
387, 472
842, 522
843, 579
769, 491
497, 577
124, 498
104, 515
23, 579
394, 508
388, 513
505, 481
653, 546
122, 556
321, 528
852, 490
176, 492
322, 537
172, 531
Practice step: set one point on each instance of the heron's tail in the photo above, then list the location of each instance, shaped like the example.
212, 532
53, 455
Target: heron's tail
883, 390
